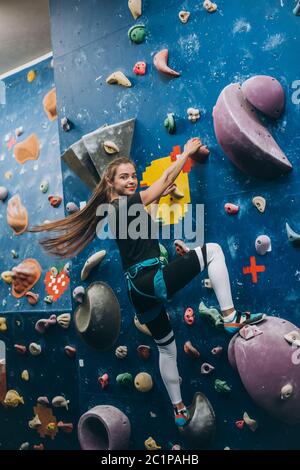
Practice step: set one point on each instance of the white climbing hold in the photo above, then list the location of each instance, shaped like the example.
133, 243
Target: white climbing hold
263, 244
293, 337
184, 16
193, 114
118, 78
210, 6
110, 147
292, 235
260, 203
251, 423
64, 320
91, 262
286, 391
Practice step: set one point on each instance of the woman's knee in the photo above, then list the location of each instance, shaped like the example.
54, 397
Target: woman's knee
214, 250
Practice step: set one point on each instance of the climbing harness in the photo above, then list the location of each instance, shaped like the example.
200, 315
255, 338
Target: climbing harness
160, 289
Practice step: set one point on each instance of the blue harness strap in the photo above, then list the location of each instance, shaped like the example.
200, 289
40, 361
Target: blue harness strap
160, 290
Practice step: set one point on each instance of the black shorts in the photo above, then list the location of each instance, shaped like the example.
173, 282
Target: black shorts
177, 273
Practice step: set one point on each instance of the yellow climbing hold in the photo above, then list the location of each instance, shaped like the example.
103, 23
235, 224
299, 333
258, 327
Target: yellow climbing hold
150, 444
8, 175
7, 276
51, 426
31, 76
25, 375
13, 399
3, 326
143, 382
118, 78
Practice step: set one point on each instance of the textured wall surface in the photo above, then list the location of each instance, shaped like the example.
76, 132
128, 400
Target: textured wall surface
53, 372
90, 41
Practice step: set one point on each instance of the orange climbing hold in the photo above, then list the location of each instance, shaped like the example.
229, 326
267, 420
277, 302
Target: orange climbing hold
49, 103
28, 149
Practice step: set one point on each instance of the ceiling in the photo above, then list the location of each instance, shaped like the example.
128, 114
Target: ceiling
24, 32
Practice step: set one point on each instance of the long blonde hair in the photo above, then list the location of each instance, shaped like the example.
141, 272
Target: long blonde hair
78, 229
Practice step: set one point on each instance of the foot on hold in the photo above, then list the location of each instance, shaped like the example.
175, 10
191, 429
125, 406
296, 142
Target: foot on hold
182, 416
211, 314
237, 320
180, 247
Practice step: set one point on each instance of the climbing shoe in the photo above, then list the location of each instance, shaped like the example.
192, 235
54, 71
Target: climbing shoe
182, 417
241, 319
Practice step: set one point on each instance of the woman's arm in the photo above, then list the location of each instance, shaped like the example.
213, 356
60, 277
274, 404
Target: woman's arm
168, 177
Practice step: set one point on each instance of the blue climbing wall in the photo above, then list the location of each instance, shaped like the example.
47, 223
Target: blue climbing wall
53, 372
90, 41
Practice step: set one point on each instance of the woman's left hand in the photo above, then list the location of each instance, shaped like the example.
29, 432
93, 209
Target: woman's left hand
169, 190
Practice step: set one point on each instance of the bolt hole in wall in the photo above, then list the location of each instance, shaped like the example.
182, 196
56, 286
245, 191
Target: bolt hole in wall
251, 132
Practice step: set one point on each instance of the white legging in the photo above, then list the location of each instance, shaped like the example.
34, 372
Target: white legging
219, 278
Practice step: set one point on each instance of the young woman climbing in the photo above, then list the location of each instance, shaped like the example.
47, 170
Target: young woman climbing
150, 281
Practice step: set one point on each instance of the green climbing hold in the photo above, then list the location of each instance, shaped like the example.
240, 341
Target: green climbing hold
221, 386
137, 33
164, 255
124, 379
44, 186
211, 314
169, 123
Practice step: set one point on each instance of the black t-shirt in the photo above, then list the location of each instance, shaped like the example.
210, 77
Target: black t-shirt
134, 230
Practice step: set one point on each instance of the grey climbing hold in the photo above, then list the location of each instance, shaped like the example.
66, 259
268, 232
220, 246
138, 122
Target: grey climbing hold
104, 427
91, 263
292, 235
296, 10
71, 207
98, 318
200, 430
260, 203
120, 133
206, 368
3, 193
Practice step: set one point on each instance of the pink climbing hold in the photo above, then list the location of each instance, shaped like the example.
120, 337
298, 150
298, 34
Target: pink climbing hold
55, 201
160, 61
189, 316
206, 368
44, 323
20, 348
103, 381
266, 94
231, 208
140, 68
217, 350
70, 351
240, 424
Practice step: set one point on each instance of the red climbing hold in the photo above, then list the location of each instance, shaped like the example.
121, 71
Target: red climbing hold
240, 424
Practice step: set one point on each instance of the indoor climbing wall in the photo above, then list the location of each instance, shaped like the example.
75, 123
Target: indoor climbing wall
91, 42
35, 301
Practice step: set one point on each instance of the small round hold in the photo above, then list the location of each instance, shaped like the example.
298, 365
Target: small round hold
217, 351
263, 244
260, 203
231, 208
103, 381
19, 131
25, 375
3, 193
35, 349
143, 382
286, 391
189, 316
8, 175
144, 351
55, 201
71, 207
193, 114
31, 76
210, 6
184, 16
78, 294
14, 254
140, 68
137, 33
206, 368
44, 186
24, 446
121, 352
169, 123
54, 271
65, 124
110, 147
48, 299
240, 423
